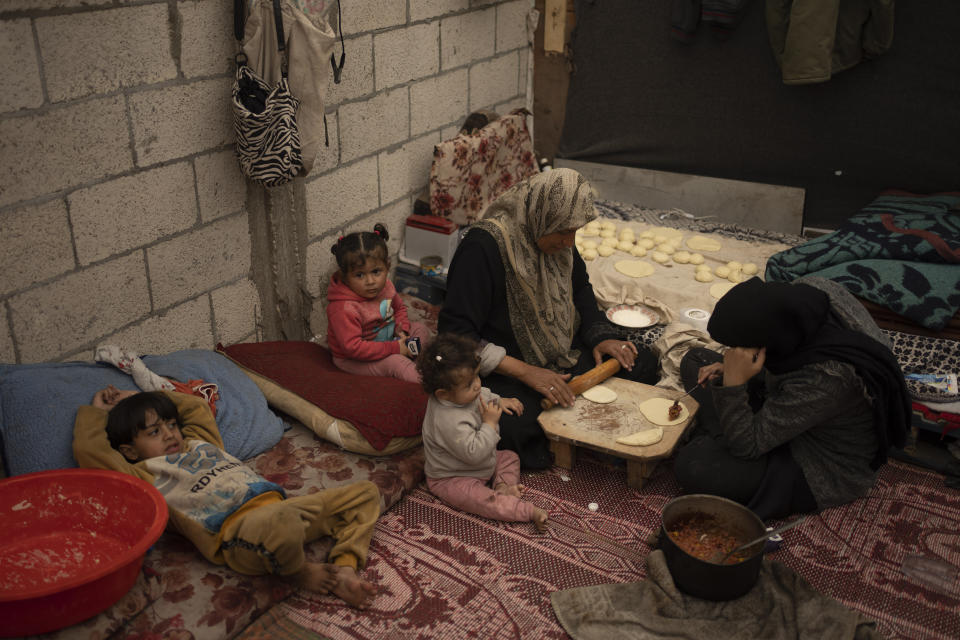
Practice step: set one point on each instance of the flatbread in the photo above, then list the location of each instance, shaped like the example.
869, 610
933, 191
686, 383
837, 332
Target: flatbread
720, 289
703, 243
643, 438
634, 268
655, 410
600, 394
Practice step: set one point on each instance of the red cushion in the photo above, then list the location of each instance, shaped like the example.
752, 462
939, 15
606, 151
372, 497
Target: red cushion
380, 408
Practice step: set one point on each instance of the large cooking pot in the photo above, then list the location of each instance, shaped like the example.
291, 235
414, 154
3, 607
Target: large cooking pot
704, 579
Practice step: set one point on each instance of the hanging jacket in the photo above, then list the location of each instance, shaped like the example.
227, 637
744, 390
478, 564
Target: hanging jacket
814, 39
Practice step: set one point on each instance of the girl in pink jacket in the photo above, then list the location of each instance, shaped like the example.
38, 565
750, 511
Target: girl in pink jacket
368, 327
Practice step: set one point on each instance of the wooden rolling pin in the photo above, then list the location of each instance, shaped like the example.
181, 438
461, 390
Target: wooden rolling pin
584, 381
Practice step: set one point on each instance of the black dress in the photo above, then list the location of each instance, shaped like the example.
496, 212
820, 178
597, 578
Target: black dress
476, 305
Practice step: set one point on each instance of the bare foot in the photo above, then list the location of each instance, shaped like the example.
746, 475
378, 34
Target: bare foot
515, 490
352, 588
540, 518
315, 576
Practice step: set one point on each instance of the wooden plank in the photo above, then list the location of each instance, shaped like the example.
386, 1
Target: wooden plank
554, 26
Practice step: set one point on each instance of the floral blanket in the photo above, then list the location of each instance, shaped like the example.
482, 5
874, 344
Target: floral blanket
901, 251
472, 169
180, 595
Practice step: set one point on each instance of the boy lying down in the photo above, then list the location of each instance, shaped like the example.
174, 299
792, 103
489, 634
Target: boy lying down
231, 514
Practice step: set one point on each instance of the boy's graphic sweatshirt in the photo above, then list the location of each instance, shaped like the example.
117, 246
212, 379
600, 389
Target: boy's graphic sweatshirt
202, 485
362, 329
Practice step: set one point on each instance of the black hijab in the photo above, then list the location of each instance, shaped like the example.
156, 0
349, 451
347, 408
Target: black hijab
797, 325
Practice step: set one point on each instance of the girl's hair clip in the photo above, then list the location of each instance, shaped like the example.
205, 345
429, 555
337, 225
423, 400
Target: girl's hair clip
439, 358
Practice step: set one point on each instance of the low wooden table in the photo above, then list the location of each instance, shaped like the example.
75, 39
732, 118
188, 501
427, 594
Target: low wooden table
597, 426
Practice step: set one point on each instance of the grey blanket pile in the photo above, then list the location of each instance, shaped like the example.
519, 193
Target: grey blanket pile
782, 606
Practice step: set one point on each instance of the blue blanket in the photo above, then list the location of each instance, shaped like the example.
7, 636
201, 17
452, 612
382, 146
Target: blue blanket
901, 251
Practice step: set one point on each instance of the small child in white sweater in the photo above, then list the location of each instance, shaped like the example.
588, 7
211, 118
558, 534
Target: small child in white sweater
461, 430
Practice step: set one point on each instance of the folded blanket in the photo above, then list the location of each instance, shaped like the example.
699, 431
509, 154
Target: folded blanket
901, 251
782, 606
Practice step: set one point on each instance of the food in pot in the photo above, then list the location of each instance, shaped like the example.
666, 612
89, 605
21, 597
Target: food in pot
704, 537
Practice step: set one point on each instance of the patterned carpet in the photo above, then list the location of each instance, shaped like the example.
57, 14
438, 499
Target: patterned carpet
445, 574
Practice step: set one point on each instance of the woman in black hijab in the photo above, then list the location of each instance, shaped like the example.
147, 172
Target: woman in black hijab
798, 414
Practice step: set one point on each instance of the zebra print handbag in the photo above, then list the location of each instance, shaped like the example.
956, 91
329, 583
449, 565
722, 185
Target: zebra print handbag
265, 120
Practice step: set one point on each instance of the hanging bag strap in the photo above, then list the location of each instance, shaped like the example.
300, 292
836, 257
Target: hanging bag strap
239, 25
338, 69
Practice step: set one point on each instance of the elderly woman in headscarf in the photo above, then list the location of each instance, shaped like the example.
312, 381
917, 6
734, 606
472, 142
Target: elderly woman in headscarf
516, 281
799, 412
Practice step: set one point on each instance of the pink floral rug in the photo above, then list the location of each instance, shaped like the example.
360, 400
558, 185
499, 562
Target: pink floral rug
446, 574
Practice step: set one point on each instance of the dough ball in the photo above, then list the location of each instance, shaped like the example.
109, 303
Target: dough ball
605, 250
734, 265
593, 224
704, 267
608, 233
658, 239
579, 232
626, 234
722, 271
703, 276
667, 248
646, 243
609, 242
638, 251
660, 256
750, 269
579, 246
625, 245
607, 224
589, 244
589, 254
676, 241
735, 276
590, 232
681, 257
647, 234
696, 258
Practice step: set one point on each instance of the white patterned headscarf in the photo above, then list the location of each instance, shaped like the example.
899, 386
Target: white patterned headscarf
539, 285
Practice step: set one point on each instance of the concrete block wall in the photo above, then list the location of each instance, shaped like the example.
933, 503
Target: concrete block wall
122, 211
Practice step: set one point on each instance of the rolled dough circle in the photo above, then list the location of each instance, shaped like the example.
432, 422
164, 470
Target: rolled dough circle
720, 289
634, 268
703, 243
600, 394
643, 438
655, 410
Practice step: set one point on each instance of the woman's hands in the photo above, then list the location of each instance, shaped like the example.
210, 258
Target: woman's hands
551, 384
620, 350
740, 364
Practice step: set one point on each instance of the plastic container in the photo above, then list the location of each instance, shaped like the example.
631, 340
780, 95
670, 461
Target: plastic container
71, 544
934, 573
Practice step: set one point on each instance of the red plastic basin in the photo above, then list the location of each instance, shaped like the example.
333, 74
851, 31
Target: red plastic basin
71, 544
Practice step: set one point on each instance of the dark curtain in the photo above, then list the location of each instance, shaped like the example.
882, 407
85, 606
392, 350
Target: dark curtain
640, 98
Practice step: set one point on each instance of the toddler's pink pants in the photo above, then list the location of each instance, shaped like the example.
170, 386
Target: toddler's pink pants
474, 495
393, 366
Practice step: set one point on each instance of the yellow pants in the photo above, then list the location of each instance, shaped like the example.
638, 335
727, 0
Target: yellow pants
270, 539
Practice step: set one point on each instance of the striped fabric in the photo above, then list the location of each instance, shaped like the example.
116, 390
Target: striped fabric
268, 140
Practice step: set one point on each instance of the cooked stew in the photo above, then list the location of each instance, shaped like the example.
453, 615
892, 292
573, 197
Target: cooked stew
704, 537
